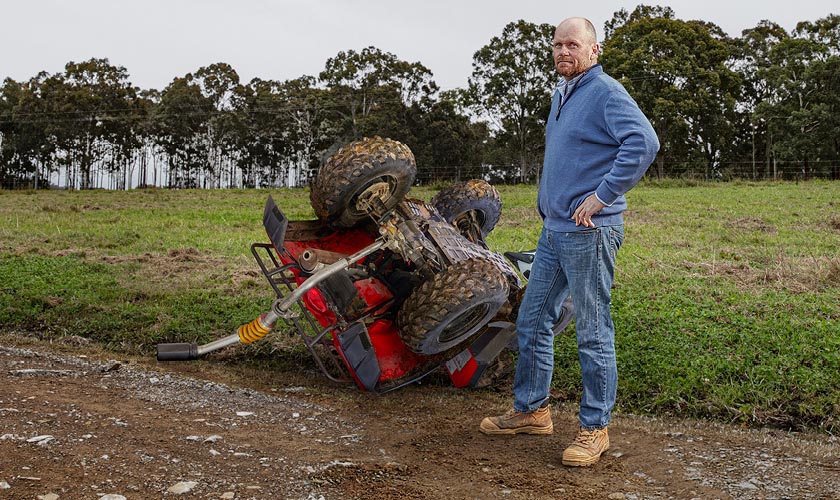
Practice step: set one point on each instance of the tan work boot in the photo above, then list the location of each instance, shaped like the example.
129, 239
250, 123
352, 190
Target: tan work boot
587, 448
513, 422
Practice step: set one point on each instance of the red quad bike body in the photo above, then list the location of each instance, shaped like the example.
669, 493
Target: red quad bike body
384, 289
349, 322
393, 359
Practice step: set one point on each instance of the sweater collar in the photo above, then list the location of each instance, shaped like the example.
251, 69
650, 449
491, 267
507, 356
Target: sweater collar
581, 79
589, 74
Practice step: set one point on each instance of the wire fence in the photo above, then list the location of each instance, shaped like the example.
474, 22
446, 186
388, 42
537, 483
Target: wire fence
157, 176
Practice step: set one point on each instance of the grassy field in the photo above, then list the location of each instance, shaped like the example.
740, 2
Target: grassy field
726, 303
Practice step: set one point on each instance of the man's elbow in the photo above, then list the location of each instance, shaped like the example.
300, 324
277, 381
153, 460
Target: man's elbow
651, 147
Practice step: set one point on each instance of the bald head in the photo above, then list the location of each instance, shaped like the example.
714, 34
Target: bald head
582, 24
575, 47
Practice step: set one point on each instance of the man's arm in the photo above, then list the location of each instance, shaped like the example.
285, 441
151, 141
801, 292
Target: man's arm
637, 149
638, 146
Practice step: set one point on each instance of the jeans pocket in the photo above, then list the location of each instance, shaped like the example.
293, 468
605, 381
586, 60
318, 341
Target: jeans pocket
616, 238
585, 232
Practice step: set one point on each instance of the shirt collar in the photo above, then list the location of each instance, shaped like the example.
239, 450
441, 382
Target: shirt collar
563, 88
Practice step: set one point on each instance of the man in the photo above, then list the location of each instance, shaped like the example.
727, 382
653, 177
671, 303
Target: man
598, 146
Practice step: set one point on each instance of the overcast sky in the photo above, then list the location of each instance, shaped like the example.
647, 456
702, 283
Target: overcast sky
158, 40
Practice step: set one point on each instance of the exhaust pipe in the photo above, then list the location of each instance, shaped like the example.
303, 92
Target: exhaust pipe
313, 259
262, 325
245, 334
177, 352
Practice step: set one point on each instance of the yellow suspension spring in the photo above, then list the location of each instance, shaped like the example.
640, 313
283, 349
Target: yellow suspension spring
253, 331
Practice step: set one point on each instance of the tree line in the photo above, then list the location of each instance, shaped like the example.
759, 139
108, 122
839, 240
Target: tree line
765, 105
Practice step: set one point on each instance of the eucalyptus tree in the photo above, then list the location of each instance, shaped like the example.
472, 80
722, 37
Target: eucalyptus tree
11, 168
284, 129
90, 109
7, 149
260, 131
196, 125
821, 118
263, 136
825, 31
802, 109
446, 143
312, 128
677, 72
127, 126
25, 151
219, 83
147, 100
510, 87
370, 88
623, 16
179, 123
752, 57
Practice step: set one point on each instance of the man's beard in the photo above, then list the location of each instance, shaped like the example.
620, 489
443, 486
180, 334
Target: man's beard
568, 71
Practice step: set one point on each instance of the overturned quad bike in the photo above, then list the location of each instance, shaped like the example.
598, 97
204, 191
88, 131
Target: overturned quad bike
384, 289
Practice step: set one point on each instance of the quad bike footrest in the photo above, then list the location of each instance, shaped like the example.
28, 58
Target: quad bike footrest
359, 354
468, 367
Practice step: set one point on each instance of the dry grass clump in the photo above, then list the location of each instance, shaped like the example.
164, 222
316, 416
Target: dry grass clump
754, 224
782, 272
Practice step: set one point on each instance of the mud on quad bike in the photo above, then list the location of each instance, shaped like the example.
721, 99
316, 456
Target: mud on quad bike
384, 289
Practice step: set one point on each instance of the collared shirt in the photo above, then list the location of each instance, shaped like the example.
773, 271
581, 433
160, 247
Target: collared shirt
565, 87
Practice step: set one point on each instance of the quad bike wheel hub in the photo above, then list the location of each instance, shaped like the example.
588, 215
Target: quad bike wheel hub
367, 199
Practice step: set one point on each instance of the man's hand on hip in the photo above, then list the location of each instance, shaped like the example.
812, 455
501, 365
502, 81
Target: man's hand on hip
589, 207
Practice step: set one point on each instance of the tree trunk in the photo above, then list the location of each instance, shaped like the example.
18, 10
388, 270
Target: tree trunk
835, 167
85, 165
660, 166
661, 131
768, 152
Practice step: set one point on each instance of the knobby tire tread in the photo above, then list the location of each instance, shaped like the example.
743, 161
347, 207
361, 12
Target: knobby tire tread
355, 164
460, 287
464, 196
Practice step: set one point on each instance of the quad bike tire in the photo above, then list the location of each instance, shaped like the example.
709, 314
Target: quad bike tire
464, 201
446, 311
370, 169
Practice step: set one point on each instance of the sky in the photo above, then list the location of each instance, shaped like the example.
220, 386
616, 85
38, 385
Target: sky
158, 40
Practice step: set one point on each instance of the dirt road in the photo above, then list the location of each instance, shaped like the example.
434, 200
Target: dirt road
76, 425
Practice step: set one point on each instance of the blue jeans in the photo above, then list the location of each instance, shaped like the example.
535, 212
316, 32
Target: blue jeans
583, 264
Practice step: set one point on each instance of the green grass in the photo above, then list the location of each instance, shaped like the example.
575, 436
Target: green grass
726, 302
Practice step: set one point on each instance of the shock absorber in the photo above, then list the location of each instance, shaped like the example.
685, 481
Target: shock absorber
255, 330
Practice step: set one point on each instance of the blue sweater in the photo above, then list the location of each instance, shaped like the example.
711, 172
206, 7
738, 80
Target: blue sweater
600, 143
